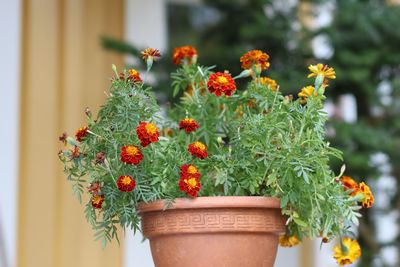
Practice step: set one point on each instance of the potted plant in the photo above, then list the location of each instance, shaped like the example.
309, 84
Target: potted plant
220, 178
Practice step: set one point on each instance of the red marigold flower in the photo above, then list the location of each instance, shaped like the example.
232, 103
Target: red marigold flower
368, 200
131, 155
151, 53
81, 133
147, 133
190, 185
221, 83
97, 201
126, 183
184, 53
255, 57
350, 184
198, 149
188, 124
134, 76
189, 170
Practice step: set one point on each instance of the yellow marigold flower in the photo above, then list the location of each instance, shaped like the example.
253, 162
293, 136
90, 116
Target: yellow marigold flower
288, 241
307, 91
320, 69
255, 57
347, 252
268, 82
368, 200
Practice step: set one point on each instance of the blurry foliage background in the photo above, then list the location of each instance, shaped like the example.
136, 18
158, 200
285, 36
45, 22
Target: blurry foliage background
359, 38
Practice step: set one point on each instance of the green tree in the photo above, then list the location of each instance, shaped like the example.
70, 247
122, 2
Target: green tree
365, 40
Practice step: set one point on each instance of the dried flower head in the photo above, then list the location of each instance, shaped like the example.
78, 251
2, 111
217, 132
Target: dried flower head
94, 188
75, 153
100, 157
63, 138
88, 112
221, 83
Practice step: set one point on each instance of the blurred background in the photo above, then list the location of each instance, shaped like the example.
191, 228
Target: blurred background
56, 56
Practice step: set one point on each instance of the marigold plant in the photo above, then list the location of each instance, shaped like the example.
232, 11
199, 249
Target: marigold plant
219, 140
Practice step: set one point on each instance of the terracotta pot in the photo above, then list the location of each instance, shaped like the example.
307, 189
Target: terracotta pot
213, 231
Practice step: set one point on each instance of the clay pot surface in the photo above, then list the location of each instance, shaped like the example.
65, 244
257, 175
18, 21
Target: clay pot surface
213, 231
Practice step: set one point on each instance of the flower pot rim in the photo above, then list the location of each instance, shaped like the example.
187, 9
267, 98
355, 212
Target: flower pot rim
213, 202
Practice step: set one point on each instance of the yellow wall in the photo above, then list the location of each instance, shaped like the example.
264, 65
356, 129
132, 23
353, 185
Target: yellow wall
64, 69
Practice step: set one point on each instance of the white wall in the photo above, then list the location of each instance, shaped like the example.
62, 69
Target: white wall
145, 26
10, 12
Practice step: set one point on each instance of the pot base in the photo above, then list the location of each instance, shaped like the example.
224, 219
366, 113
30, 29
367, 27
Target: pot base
213, 231
209, 250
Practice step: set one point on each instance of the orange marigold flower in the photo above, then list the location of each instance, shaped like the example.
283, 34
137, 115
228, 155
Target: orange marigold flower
288, 241
255, 57
126, 183
271, 83
188, 124
320, 69
152, 53
134, 76
350, 184
368, 200
219, 83
189, 170
131, 155
190, 185
182, 53
147, 133
97, 201
81, 133
198, 149
347, 252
